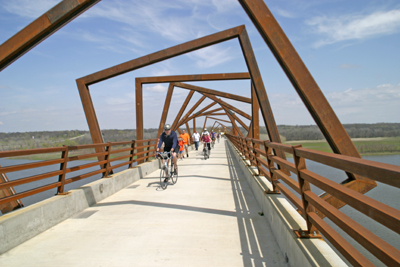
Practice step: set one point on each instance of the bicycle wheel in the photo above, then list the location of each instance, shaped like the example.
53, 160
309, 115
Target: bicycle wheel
163, 176
205, 154
174, 178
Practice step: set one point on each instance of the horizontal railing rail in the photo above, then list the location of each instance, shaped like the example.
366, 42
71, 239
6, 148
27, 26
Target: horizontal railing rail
313, 208
106, 161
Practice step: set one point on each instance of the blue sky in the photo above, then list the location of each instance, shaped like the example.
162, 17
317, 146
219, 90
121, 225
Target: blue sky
350, 47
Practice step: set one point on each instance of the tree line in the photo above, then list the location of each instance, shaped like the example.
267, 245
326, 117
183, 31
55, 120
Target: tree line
43, 139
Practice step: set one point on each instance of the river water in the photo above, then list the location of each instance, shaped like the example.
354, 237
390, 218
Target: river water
41, 170
383, 193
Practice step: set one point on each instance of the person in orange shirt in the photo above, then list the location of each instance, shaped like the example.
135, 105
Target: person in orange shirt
180, 142
186, 141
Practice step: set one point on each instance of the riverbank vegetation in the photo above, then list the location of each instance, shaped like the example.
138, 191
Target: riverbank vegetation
368, 138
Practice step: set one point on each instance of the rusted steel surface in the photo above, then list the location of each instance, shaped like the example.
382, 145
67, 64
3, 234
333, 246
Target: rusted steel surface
41, 28
105, 167
313, 208
162, 55
6, 191
184, 105
184, 119
303, 82
255, 120
213, 92
165, 109
259, 89
195, 77
341, 244
226, 105
379, 248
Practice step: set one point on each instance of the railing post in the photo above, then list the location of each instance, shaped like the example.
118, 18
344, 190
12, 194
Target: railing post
256, 156
271, 168
107, 157
147, 149
63, 168
132, 153
311, 231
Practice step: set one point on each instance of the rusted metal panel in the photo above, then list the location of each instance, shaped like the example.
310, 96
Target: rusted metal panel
226, 105
259, 88
41, 28
301, 78
5, 192
213, 92
163, 55
165, 109
195, 77
184, 105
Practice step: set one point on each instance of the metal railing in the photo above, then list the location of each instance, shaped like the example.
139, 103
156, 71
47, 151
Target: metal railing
110, 153
313, 209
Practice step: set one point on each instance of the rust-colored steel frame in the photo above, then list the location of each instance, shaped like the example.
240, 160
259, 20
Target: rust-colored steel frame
41, 28
269, 29
307, 88
237, 32
175, 80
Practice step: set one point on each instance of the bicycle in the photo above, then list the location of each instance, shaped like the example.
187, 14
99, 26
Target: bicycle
165, 172
213, 143
206, 152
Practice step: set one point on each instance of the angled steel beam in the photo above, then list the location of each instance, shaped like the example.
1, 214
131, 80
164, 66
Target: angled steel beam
201, 111
176, 78
183, 120
255, 122
41, 28
262, 97
184, 105
195, 77
219, 119
213, 92
165, 109
235, 127
238, 120
224, 104
163, 55
307, 88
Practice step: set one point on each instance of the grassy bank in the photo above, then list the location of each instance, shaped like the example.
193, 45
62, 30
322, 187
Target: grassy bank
366, 146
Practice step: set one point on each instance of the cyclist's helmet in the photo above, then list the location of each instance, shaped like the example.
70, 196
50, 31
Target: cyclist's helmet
205, 129
167, 127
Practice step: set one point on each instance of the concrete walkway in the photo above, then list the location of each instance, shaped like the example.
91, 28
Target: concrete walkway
209, 218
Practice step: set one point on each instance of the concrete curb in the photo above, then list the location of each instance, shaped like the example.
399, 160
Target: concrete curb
21, 225
283, 219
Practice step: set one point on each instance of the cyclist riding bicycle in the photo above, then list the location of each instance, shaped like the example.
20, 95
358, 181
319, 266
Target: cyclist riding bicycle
206, 140
213, 136
170, 140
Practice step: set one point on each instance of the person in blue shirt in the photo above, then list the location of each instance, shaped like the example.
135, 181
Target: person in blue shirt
170, 140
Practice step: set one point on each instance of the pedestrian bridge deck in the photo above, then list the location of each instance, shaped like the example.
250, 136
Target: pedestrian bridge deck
209, 218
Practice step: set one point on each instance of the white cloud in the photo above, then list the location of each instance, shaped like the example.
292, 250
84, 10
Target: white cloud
211, 56
156, 88
355, 27
29, 8
368, 105
285, 13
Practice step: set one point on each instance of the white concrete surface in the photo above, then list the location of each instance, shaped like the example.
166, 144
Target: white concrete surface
20, 225
283, 219
209, 218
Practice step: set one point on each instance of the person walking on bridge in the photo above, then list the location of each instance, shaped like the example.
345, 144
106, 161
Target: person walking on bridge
196, 139
170, 140
186, 142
